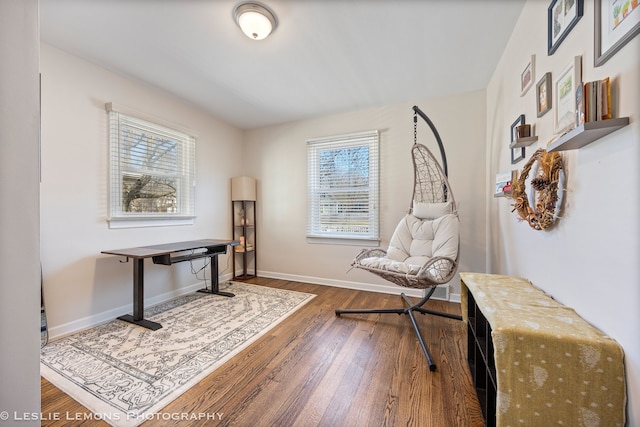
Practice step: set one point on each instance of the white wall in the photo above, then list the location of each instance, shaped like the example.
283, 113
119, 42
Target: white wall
589, 261
81, 285
277, 158
19, 212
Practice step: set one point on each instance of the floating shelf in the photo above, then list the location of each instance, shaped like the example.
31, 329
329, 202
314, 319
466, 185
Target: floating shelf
507, 195
587, 133
523, 142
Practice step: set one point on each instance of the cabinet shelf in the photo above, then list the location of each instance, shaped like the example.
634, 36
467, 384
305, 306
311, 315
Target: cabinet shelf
523, 142
481, 360
587, 133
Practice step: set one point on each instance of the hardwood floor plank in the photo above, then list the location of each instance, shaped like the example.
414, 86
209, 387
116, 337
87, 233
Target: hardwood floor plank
319, 369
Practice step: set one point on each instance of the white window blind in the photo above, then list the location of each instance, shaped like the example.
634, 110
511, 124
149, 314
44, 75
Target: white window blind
152, 172
343, 187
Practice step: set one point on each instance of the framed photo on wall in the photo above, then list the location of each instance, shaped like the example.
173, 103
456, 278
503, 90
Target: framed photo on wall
564, 93
616, 22
543, 95
527, 76
517, 154
562, 16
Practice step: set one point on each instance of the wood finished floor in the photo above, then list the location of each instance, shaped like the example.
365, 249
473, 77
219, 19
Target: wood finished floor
317, 369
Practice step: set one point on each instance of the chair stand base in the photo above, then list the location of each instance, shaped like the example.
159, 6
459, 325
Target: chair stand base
409, 310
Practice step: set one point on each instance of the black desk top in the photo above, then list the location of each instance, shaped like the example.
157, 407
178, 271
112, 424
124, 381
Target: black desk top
168, 248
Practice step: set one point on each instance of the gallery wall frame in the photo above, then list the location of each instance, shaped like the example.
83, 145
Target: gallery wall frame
562, 16
527, 76
517, 154
615, 24
564, 94
543, 95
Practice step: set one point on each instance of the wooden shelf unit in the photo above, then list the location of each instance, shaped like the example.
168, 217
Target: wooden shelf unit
243, 214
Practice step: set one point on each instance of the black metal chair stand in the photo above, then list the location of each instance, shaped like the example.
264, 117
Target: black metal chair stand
409, 310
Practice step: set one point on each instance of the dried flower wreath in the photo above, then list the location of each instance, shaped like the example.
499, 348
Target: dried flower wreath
540, 209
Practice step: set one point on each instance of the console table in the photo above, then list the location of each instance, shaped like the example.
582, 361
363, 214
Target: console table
535, 361
167, 254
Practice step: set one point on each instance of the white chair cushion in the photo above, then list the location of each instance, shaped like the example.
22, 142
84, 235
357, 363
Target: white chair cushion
385, 263
416, 239
431, 210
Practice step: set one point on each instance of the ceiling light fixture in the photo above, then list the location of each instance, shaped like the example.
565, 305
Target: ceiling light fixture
255, 20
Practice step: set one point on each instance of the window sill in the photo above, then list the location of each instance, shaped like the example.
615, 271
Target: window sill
343, 241
146, 221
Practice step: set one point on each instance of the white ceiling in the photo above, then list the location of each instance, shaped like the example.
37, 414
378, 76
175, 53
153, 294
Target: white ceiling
325, 57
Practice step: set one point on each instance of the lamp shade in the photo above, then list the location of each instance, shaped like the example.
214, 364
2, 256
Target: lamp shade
243, 188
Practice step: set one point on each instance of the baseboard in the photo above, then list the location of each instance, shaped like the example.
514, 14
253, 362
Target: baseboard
441, 293
96, 319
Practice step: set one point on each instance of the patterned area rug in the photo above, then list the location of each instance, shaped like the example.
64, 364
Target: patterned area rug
124, 373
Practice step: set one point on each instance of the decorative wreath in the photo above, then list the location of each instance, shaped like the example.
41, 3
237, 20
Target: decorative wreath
541, 207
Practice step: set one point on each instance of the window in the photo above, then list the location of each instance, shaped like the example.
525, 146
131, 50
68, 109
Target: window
152, 173
343, 188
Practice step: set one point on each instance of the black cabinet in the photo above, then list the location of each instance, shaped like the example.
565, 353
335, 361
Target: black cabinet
481, 361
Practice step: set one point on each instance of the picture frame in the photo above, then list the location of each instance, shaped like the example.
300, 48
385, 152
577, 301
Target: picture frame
504, 180
615, 24
543, 95
517, 154
562, 16
527, 76
564, 94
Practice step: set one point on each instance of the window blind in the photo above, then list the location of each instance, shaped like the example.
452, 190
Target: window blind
152, 170
343, 186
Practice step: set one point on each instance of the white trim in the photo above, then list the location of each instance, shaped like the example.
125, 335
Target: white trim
96, 319
120, 222
112, 106
339, 241
370, 287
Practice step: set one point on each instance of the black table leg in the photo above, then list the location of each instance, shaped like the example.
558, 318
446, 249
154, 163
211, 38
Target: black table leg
138, 299
214, 280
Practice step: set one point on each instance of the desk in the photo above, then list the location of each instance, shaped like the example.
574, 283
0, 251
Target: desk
167, 254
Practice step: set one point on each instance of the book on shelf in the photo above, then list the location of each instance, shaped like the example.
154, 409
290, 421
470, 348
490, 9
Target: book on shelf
580, 105
593, 101
606, 99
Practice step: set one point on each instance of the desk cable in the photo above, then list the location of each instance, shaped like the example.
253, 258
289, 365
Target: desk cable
204, 266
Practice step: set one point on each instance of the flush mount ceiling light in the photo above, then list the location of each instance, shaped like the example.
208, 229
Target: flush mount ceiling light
255, 20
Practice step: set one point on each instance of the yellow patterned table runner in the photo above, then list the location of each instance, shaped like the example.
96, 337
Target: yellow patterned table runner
552, 367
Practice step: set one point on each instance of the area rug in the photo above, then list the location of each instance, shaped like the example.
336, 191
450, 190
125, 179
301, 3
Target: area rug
125, 374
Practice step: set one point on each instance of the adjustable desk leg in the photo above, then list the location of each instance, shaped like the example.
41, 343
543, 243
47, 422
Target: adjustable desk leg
214, 280
138, 298
138, 289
